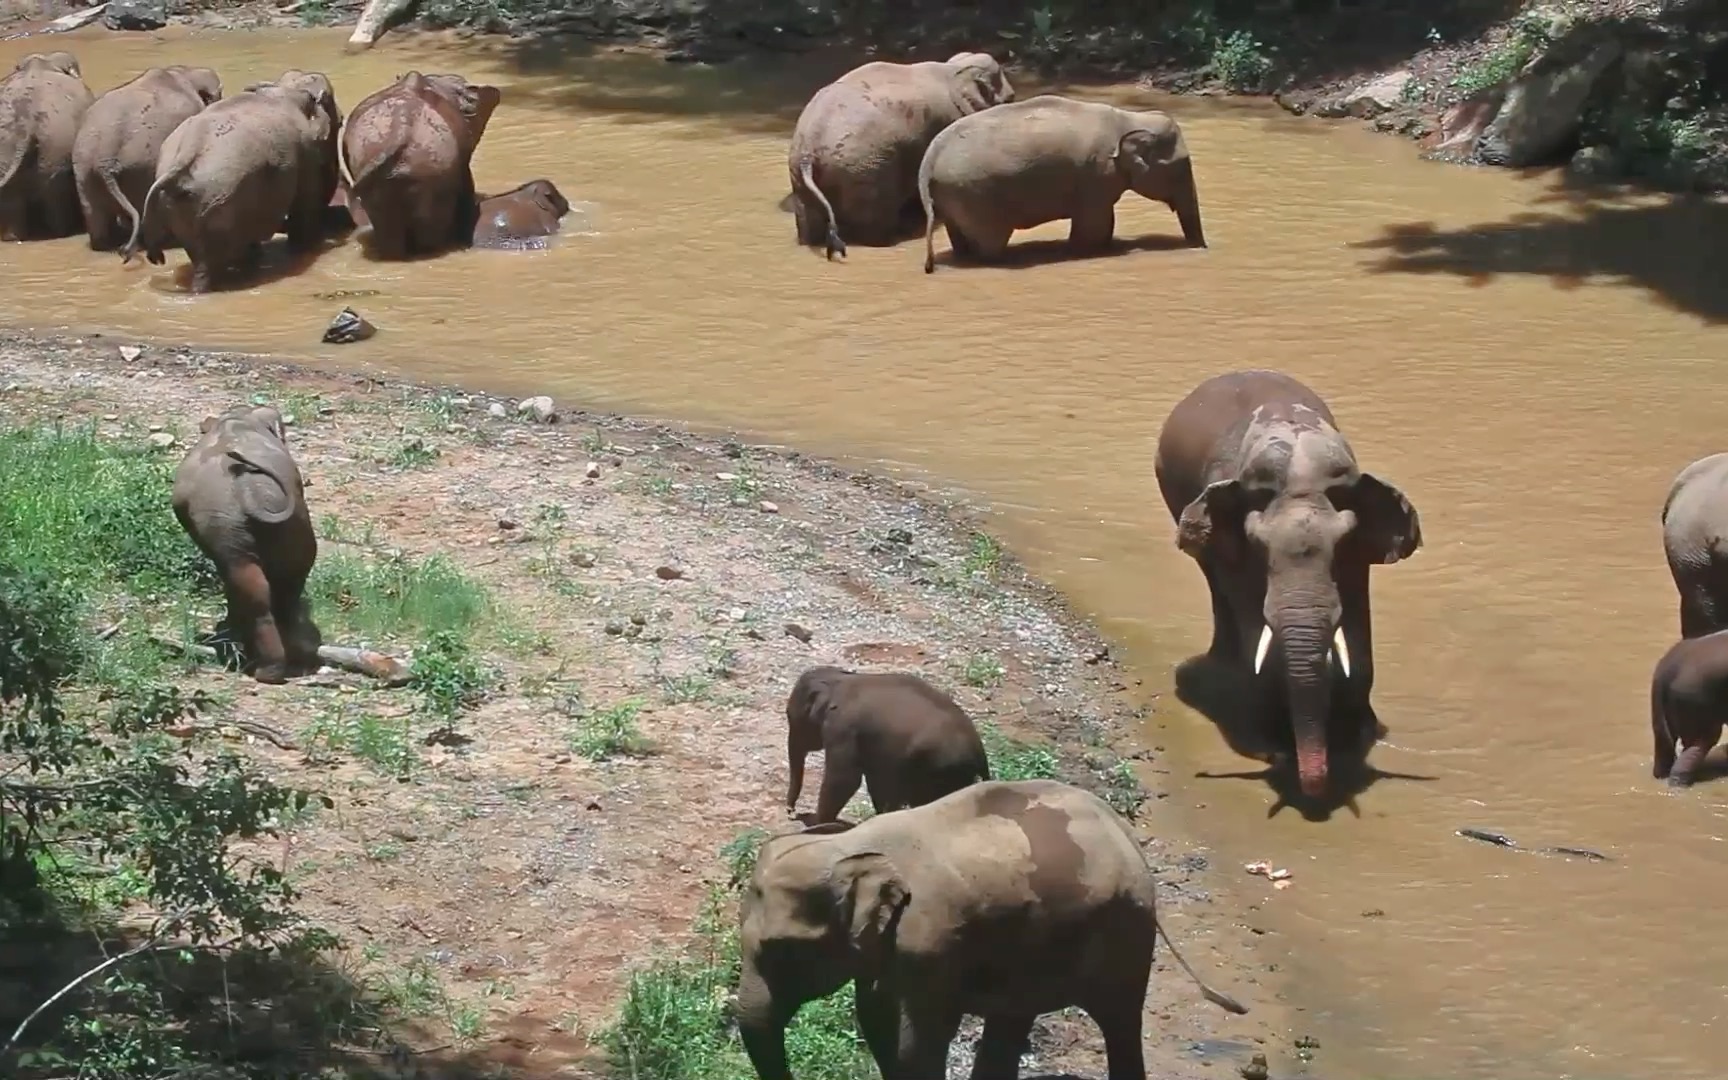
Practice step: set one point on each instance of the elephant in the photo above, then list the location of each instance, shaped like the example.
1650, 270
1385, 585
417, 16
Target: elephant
408, 151
42, 102
1268, 499
520, 217
1047, 158
1005, 899
1688, 703
855, 150
239, 496
892, 730
114, 157
1695, 539
231, 176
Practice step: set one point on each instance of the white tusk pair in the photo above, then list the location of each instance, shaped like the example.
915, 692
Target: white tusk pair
1338, 644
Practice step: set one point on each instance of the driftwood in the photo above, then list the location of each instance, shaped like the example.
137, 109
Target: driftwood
386, 669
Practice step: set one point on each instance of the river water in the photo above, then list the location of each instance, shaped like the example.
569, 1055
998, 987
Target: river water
1530, 365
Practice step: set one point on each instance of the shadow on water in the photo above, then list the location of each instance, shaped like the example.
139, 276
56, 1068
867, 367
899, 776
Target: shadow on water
1649, 242
1220, 694
1027, 254
275, 262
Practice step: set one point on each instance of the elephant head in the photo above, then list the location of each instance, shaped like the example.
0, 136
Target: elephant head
806, 708
63, 62
1325, 520
199, 80
816, 913
979, 81
475, 101
1153, 158
547, 196
258, 463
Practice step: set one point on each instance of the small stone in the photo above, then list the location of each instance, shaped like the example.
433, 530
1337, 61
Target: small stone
162, 440
753, 634
561, 759
1098, 655
347, 328
111, 417
129, 353
507, 523
668, 573
498, 410
288, 419
583, 559
539, 409
794, 630
737, 614
614, 628
727, 476
593, 804
592, 471
767, 507
13, 388
1256, 1069
153, 428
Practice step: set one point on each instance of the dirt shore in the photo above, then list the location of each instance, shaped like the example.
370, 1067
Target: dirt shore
680, 578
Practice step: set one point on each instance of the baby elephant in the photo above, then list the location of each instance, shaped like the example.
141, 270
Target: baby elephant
1688, 702
519, 218
895, 732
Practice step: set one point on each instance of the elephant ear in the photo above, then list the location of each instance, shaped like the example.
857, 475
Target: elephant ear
1212, 523
65, 61
869, 896
260, 473
1387, 526
979, 81
208, 423
1159, 146
478, 104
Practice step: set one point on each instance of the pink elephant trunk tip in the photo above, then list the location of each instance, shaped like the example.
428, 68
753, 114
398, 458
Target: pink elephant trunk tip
1311, 768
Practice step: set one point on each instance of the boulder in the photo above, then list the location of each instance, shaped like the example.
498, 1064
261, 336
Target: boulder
1545, 104
1463, 123
135, 14
347, 328
1370, 99
375, 18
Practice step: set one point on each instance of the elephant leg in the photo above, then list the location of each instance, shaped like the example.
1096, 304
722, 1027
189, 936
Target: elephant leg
1120, 1021
879, 1023
1092, 229
1701, 736
305, 223
961, 244
1699, 614
989, 242
300, 635
1005, 1038
251, 613
1662, 761
926, 1033
1226, 646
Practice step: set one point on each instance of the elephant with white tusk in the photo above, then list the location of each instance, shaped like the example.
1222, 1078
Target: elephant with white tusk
1268, 499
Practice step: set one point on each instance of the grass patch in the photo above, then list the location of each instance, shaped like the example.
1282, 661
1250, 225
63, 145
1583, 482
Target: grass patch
982, 671
448, 677
387, 746
1015, 759
394, 596
610, 733
983, 556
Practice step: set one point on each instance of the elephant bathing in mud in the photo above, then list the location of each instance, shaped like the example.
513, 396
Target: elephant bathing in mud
1695, 539
893, 731
855, 150
1688, 704
1006, 900
520, 218
1268, 499
1048, 158
408, 151
115, 155
239, 496
232, 175
42, 102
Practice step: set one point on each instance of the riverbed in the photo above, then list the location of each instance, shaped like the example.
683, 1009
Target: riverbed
1530, 364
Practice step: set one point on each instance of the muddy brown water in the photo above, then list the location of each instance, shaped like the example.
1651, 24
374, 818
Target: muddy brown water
1530, 366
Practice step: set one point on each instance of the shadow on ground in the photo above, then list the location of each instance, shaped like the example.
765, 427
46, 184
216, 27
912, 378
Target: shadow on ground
1667, 245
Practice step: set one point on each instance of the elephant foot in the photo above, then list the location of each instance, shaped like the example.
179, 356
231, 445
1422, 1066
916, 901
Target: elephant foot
1679, 780
273, 674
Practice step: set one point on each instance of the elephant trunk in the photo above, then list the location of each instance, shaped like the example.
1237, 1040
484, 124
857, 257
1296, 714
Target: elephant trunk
1187, 207
761, 1026
1307, 681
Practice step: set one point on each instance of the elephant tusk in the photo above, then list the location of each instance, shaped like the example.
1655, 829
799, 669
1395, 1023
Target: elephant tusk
1343, 650
1265, 647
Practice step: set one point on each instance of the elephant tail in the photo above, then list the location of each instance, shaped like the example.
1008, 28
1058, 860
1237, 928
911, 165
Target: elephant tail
111, 181
929, 202
1217, 997
20, 151
808, 181
142, 215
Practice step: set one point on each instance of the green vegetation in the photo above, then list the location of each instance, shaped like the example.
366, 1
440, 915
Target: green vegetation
394, 596
982, 671
1505, 61
1013, 759
1241, 62
610, 733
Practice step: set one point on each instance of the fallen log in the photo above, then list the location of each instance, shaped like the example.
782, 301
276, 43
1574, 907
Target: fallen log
386, 669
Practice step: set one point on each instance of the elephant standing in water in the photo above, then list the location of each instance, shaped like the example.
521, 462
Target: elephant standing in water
1268, 499
239, 496
1695, 539
42, 102
1047, 158
408, 150
1005, 899
115, 154
1688, 704
855, 150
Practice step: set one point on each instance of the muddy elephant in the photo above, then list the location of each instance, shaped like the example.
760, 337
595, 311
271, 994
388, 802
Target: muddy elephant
42, 102
239, 496
520, 217
1051, 158
1695, 539
114, 158
1268, 499
855, 150
1688, 704
408, 151
1006, 900
895, 732
245, 167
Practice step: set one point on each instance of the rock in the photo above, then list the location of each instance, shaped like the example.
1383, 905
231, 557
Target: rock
508, 523
498, 410
668, 573
135, 15
1596, 163
1256, 1069
154, 428
161, 440
639, 619
347, 328
377, 17
130, 353
76, 19
539, 409
1462, 124
1370, 99
794, 630
111, 417
726, 476
1544, 106
592, 472
767, 507
583, 559
614, 628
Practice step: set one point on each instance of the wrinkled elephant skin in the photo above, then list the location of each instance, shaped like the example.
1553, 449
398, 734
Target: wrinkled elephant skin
115, 155
1695, 540
245, 167
521, 217
905, 739
1004, 900
409, 150
1268, 499
1051, 158
239, 496
42, 102
853, 160
1688, 703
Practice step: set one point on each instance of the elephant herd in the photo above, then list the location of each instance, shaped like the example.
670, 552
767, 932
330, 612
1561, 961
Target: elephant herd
165, 159
888, 149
